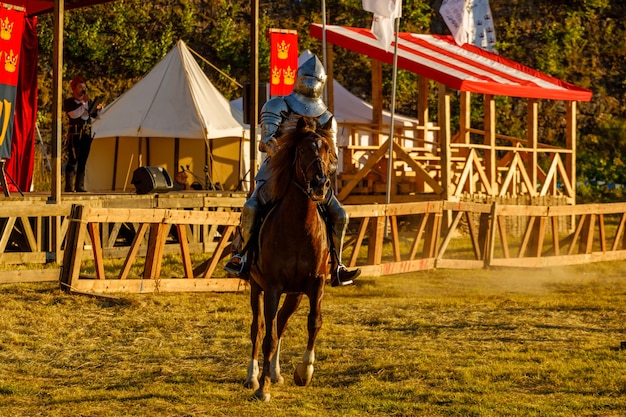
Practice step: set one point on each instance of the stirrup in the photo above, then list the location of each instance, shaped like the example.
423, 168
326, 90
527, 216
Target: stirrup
343, 276
236, 264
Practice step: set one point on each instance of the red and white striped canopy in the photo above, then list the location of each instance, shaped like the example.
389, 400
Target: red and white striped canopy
464, 68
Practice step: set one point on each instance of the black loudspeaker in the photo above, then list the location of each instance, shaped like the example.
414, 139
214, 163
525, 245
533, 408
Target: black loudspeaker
247, 99
152, 180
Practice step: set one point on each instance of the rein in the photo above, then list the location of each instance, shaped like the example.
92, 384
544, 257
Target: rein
308, 190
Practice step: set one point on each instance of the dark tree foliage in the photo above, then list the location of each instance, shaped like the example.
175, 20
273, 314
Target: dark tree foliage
579, 41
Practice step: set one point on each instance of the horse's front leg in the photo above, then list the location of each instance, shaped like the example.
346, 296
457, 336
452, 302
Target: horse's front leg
290, 305
270, 300
256, 331
304, 371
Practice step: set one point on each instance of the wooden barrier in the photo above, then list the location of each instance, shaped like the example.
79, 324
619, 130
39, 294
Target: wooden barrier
382, 240
85, 223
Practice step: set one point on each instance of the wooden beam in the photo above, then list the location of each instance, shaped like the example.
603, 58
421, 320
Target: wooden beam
377, 98
490, 140
444, 141
570, 144
532, 137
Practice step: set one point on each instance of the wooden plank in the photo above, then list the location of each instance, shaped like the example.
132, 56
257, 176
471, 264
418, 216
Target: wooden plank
28, 233
376, 235
145, 286
74, 244
527, 235
602, 232
395, 238
369, 210
619, 233
550, 261
555, 236
184, 250
382, 270
503, 236
460, 264
473, 231
449, 234
6, 233
358, 242
221, 246
154, 257
96, 247
418, 236
576, 234
134, 247
36, 275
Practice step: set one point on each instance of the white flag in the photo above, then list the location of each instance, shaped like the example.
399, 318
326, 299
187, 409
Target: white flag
386, 8
385, 13
470, 21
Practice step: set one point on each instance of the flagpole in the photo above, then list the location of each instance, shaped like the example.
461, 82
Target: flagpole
325, 93
393, 111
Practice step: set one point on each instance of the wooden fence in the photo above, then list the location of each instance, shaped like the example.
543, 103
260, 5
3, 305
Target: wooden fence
383, 240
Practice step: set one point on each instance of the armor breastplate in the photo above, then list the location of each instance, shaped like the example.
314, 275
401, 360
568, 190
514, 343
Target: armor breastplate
305, 106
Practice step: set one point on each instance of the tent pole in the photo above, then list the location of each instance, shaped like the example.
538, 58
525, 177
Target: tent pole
57, 91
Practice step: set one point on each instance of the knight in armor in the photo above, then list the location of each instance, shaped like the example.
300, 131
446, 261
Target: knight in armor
305, 100
80, 109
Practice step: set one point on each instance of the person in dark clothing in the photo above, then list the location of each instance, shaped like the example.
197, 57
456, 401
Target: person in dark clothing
80, 110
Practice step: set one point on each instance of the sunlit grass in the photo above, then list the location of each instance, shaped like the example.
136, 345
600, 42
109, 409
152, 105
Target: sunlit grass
435, 343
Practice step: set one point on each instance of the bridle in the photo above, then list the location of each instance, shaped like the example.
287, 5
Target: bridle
317, 163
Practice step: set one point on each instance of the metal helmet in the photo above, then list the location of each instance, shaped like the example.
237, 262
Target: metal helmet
306, 98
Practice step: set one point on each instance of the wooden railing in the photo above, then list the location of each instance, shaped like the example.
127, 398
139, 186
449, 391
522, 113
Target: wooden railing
383, 240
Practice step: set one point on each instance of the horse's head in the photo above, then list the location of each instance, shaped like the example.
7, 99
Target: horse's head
309, 151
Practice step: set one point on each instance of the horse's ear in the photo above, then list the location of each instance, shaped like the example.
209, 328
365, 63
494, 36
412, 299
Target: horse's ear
329, 124
305, 123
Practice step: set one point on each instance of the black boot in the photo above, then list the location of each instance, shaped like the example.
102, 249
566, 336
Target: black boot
69, 181
80, 182
236, 264
343, 276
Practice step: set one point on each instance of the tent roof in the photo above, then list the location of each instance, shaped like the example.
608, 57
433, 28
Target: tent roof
35, 7
464, 68
174, 100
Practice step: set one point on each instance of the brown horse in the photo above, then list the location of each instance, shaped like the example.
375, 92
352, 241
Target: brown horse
293, 252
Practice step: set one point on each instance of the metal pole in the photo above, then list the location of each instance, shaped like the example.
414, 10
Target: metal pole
393, 111
325, 94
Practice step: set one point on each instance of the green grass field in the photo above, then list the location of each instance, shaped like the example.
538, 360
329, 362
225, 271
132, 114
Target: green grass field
436, 343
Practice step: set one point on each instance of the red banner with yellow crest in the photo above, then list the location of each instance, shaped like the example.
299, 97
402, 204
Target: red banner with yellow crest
283, 61
11, 29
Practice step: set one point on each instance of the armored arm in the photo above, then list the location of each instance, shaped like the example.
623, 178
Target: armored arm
272, 115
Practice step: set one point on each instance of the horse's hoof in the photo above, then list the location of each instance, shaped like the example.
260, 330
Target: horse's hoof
261, 396
278, 379
303, 374
251, 384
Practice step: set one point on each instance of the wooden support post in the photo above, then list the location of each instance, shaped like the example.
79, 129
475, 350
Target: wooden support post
375, 248
156, 244
96, 247
358, 242
490, 140
377, 99
74, 243
444, 141
489, 251
532, 136
570, 143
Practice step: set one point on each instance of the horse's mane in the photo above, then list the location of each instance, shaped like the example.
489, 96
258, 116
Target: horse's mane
281, 164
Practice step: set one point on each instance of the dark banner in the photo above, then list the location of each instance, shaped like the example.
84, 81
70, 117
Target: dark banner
11, 29
283, 61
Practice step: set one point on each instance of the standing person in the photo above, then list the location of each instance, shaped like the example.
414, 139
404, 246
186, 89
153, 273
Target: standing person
80, 109
305, 100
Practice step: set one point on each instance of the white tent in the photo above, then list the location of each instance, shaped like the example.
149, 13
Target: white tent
173, 117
